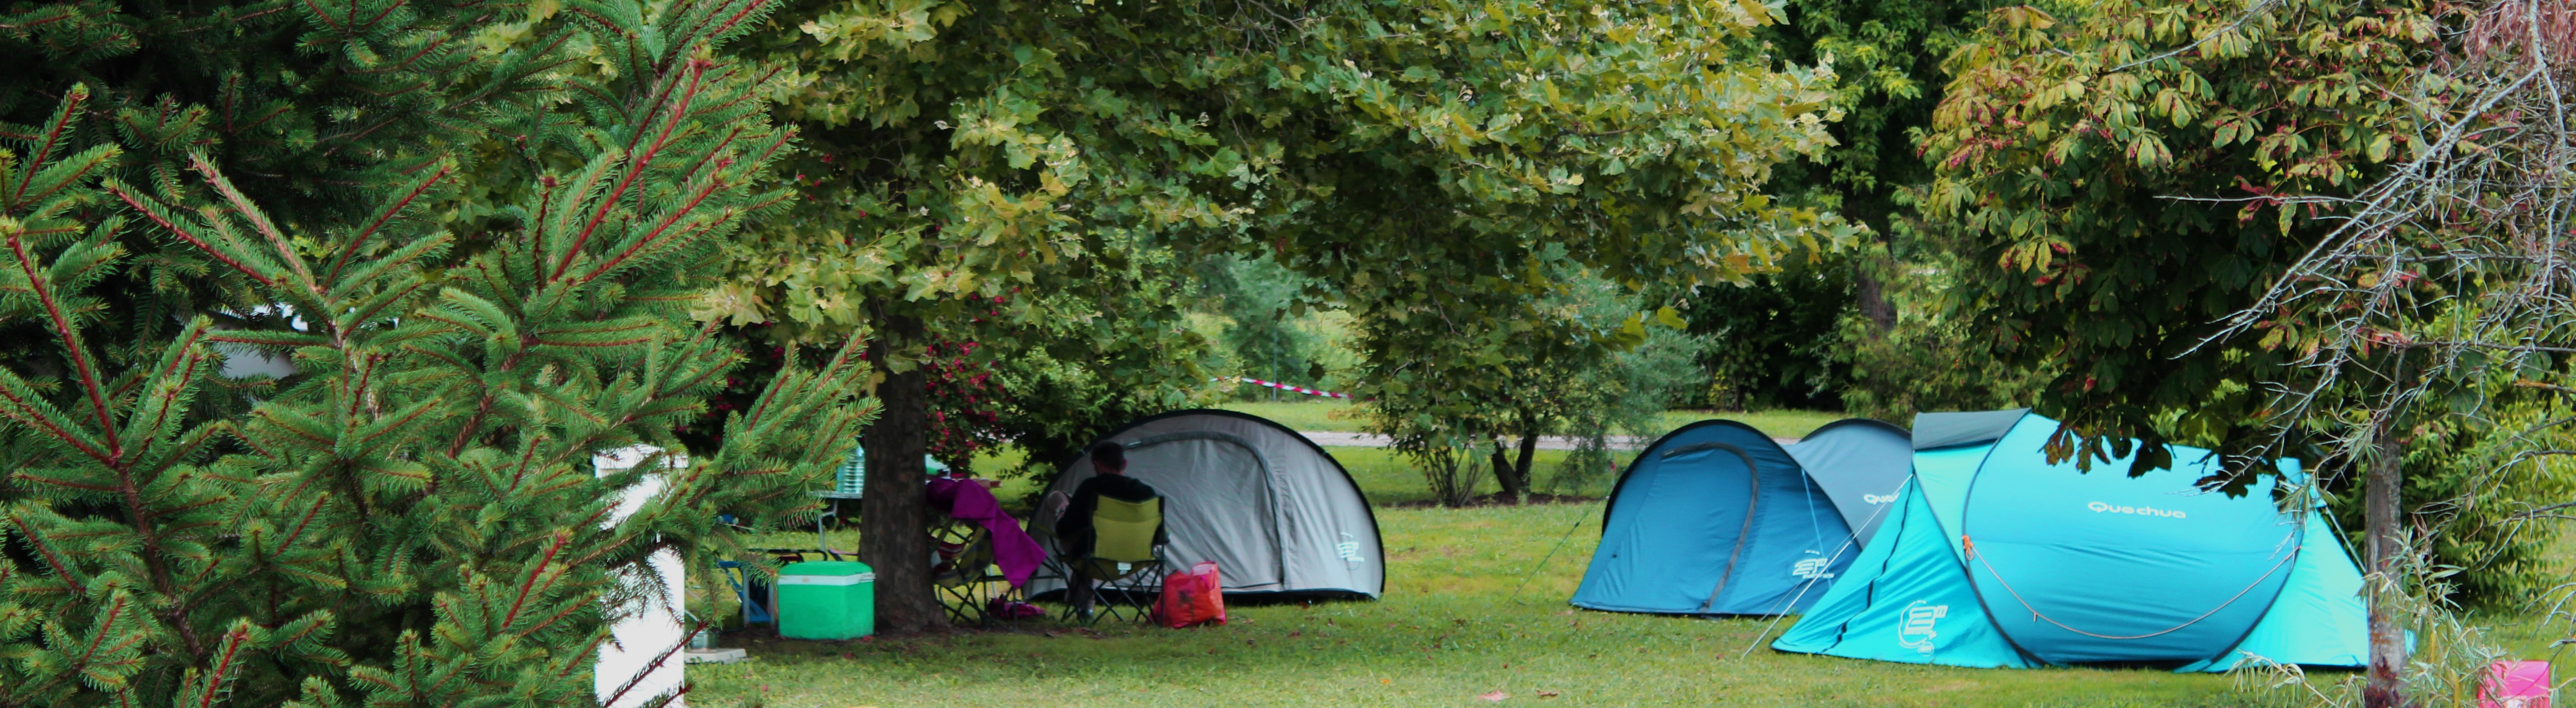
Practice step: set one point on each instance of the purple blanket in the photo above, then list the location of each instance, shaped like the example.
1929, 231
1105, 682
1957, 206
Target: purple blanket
1013, 550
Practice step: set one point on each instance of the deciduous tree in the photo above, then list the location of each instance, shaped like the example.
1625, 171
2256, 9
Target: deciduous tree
2129, 175
975, 147
2117, 174
1475, 179
2437, 306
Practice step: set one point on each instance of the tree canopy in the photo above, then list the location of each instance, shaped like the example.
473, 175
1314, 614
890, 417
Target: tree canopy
962, 151
2118, 173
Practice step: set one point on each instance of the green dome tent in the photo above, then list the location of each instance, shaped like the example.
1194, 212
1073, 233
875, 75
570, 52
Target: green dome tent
1994, 557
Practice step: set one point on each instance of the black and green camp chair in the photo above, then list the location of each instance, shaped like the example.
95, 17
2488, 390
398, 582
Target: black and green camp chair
1123, 558
962, 573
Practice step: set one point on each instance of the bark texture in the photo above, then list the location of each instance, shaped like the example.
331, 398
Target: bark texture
1502, 464
894, 522
1870, 297
1529, 449
2383, 542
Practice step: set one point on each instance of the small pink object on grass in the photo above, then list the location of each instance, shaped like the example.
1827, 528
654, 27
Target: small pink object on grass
2515, 684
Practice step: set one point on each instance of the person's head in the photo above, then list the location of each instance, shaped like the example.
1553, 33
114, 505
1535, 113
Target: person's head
1109, 458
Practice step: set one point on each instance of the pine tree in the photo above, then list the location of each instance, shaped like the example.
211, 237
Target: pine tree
304, 105
411, 518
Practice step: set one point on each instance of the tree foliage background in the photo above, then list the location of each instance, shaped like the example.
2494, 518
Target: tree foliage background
1494, 221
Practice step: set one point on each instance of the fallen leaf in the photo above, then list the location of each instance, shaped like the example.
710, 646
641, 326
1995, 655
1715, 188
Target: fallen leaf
1547, 694
1496, 696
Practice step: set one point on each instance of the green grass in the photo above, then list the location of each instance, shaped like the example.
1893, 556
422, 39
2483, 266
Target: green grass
1389, 480
1469, 609
1340, 416
1779, 424
2528, 633
1311, 414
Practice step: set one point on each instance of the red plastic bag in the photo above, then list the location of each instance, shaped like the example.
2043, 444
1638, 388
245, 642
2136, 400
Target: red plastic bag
1192, 597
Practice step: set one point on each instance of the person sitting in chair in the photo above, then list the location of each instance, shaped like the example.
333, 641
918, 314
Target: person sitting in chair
1073, 514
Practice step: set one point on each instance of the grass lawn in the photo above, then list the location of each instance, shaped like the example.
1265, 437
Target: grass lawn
1389, 480
1338, 416
1469, 610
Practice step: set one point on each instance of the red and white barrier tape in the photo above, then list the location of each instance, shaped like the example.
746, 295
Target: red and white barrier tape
1287, 387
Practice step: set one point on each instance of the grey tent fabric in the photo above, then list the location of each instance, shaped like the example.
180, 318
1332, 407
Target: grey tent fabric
1861, 464
1939, 430
1276, 513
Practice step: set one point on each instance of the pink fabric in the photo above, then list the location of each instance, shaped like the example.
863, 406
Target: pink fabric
1013, 550
2515, 684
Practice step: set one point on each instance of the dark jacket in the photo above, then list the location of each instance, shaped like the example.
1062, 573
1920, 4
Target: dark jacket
1075, 526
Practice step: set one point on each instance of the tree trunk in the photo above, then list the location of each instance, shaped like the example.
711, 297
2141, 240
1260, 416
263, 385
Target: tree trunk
1869, 294
1529, 449
1870, 297
1514, 485
1053, 452
894, 519
2382, 543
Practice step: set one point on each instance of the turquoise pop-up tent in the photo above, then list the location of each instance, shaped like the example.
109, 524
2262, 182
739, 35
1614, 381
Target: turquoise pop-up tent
1717, 519
1995, 557
1861, 464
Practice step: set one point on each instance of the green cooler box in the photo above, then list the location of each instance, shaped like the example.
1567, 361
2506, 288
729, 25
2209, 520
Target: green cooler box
826, 600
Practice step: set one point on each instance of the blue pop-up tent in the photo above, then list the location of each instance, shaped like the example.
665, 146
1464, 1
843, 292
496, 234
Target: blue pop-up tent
1718, 519
1995, 557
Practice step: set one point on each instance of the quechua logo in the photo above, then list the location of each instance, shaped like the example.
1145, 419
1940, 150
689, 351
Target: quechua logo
2109, 508
1914, 627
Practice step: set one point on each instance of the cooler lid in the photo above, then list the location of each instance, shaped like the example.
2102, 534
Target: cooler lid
824, 568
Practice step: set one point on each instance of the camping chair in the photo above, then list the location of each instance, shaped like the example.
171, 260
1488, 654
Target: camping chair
1122, 558
748, 594
962, 572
